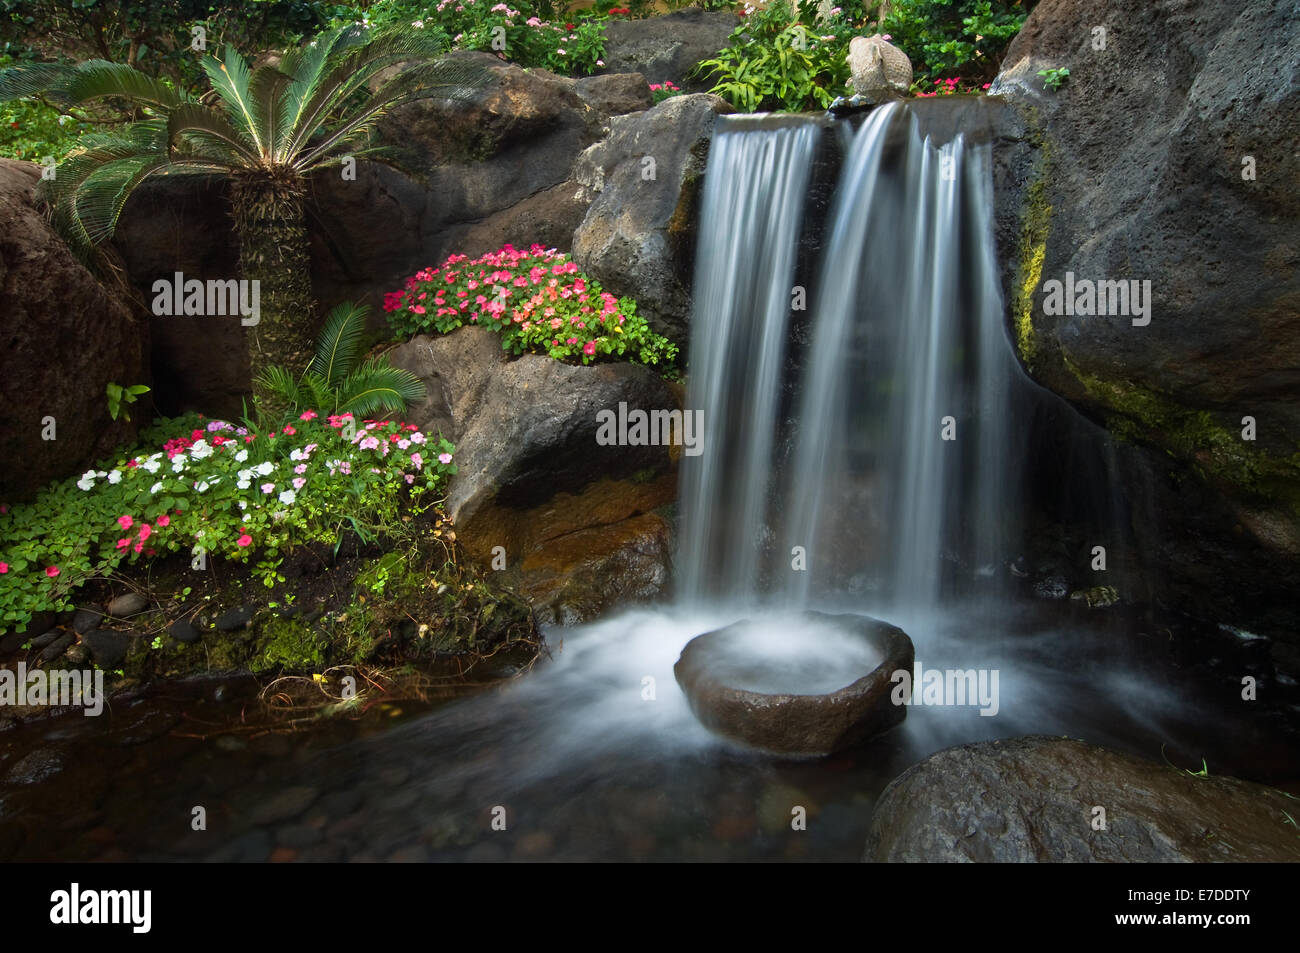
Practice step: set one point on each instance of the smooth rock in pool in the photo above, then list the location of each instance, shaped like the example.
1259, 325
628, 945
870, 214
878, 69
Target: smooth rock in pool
232, 619
128, 604
1033, 799
36, 767
287, 803
107, 646
719, 680
182, 630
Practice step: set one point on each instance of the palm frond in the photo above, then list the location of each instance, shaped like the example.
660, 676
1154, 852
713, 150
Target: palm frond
191, 127
230, 78
85, 82
375, 387
340, 337
280, 382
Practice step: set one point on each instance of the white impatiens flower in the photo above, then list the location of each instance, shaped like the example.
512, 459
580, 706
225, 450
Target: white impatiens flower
264, 468
202, 486
115, 477
87, 480
287, 497
151, 466
156, 487
241, 456
178, 463
201, 449
243, 504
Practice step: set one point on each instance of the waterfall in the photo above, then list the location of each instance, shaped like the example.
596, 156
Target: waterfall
899, 467
754, 194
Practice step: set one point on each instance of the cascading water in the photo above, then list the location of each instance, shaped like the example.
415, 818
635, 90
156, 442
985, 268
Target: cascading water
753, 202
899, 459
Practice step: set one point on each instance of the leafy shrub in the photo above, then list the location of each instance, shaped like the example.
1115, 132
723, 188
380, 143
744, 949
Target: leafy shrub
537, 300
945, 37
518, 32
774, 62
213, 485
334, 383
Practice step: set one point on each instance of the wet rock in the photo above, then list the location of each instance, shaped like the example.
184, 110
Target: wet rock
1052, 587
298, 836
38, 766
127, 604
47, 638
58, 646
182, 630
251, 847
83, 620
1216, 528
281, 806
1033, 798
107, 646
638, 237
12, 642
234, 619
575, 522
796, 724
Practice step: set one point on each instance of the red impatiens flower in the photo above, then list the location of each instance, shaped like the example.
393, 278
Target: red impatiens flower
52, 571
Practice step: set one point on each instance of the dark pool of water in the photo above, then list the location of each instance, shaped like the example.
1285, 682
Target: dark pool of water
594, 754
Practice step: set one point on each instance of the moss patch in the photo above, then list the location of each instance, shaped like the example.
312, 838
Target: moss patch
1216, 449
1034, 229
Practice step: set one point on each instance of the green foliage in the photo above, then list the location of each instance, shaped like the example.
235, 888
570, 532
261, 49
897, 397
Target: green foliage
774, 62
1054, 79
310, 112
334, 382
155, 35
216, 490
949, 37
118, 396
527, 34
537, 300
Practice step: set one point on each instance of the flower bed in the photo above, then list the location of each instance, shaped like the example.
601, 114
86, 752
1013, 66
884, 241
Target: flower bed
215, 491
537, 300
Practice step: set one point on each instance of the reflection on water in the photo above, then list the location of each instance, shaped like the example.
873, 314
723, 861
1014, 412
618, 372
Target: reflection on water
594, 755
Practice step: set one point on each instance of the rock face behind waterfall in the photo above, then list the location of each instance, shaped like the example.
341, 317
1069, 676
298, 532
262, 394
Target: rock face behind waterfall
638, 236
1034, 799
1169, 157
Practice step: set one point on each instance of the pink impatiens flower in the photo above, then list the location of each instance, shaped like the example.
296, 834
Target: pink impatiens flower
589, 347
145, 531
444, 458
4, 568
244, 540
163, 520
125, 522
52, 571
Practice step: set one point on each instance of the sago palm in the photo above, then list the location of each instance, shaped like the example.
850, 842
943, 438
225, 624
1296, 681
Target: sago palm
333, 383
266, 129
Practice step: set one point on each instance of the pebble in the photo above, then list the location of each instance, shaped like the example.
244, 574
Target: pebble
83, 620
182, 630
56, 648
128, 604
236, 618
107, 646
290, 802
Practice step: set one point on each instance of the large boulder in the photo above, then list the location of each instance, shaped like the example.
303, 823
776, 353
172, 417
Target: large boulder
574, 522
1036, 799
668, 47
66, 338
1161, 162
638, 237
